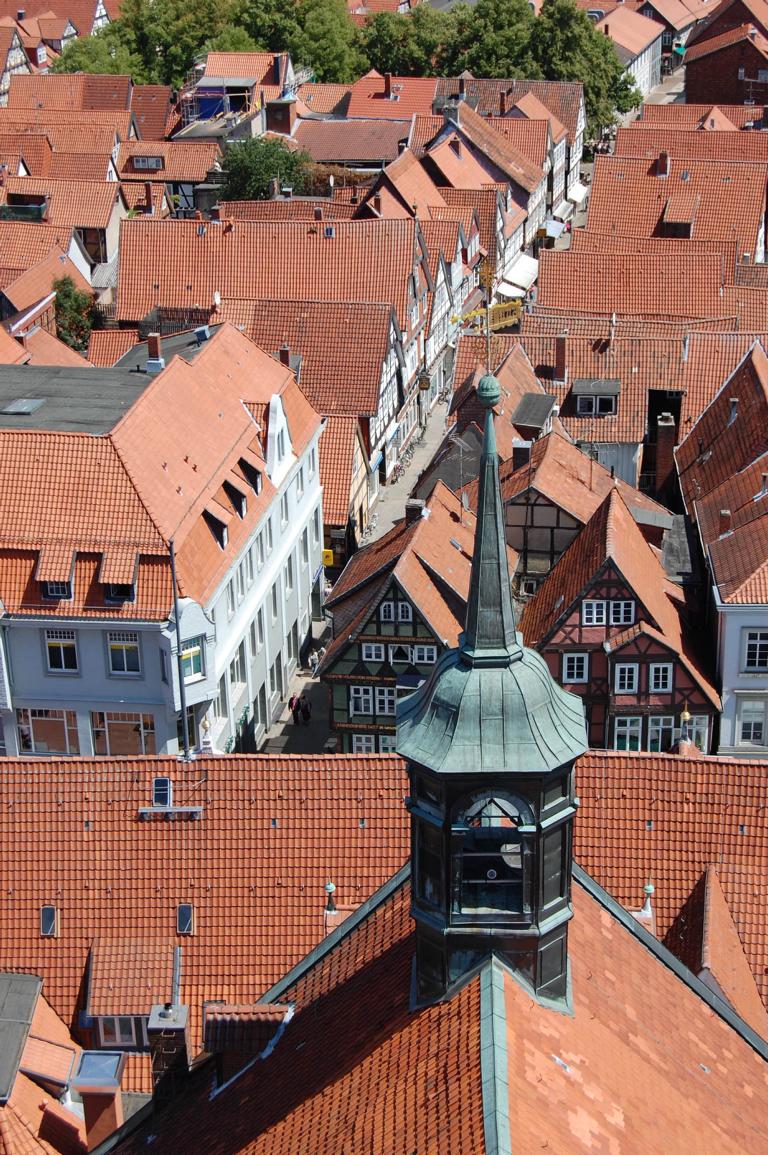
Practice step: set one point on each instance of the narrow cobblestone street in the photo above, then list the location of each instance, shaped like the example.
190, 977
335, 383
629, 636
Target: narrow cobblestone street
391, 504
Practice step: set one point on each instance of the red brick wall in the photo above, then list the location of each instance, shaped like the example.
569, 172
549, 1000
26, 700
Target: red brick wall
715, 79
732, 17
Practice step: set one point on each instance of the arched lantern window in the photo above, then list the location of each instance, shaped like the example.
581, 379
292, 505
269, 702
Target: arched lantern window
491, 873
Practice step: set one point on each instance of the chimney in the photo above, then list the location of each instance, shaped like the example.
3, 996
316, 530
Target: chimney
155, 358
462, 88
502, 103
284, 353
666, 435
734, 413
646, 916
317, 212
167, 1031
561, 367
97, 1079
387, 85
612, 331
686, 346
662, 164
21, 14
605, 30
377, 203
521, 454
724, 526
414, 508
148, 195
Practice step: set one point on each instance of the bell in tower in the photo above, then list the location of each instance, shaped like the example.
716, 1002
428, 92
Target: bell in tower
491, 740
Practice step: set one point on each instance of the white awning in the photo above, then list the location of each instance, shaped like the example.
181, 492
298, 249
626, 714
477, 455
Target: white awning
524, 272
505, 289
554, 228
578, 193
563, 210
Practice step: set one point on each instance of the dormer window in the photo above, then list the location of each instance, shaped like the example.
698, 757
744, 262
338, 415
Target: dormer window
238, 499
57, 591
595, 396
119, 592
595, 406
252, 475
217, 528
153, 163
162, 792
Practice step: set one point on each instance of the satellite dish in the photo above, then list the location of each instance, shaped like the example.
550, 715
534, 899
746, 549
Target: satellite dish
331, 181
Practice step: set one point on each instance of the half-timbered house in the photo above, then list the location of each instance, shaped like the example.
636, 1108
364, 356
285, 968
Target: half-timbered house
399, 603
613, 629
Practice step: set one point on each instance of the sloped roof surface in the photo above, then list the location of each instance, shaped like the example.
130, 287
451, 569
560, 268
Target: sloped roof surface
107, 346
564, 98
71, 203
410, 94
337, 449
681, 144
350, 140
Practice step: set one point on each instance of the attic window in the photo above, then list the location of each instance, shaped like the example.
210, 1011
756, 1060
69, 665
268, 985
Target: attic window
595, 406
252, 475
238, 499
217, 528
119, 592
49, 922
57, 591
185, 918
148, 162
162, 792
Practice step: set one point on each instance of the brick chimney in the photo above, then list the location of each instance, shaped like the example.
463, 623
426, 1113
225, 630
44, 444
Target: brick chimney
502, 103
561, 365
148, 196
284, 353
662, 164
666, 436
155, 358
724, 526
387, 85
462, 88
168, 1034
414, 509
97, 1079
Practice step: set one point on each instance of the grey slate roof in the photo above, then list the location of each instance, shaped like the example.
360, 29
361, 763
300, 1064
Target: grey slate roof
18, 998
74, 399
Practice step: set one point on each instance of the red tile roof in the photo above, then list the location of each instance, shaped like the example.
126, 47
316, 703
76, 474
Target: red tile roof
342, 345
151, 105
694, 116
260, 67
34, 150
563, 98
288, 209
107, 346
630, 31
410, 95
532, 108
337, 449
629, 196
607, 1075
35, 283
715, 44
262, 260
45, 349
325, 99
71, 203
77, 90
66, 120
365, 142
183, 161
80, 166
12, 352
648, 139
258, 901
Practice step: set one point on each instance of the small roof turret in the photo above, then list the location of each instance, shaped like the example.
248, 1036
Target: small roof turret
491, 704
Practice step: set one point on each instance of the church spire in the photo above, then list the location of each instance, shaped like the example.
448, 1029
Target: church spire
489, 635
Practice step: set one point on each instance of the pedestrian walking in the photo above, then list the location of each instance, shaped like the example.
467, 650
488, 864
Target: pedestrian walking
306, 709
294, 705
314, 661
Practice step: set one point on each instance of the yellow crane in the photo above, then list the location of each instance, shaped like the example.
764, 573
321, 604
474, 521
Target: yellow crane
491, 317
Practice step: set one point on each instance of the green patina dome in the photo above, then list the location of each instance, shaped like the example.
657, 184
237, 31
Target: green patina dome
488, 390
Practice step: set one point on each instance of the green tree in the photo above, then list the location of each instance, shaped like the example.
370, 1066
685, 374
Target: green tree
494, 39
232, 39
387, 40
74, 314
270, 23
327, 41
103, 53
250, 166
432, 30
567, 46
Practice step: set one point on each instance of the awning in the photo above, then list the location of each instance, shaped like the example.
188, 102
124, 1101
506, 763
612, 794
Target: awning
562, 211
376, 462
524, 272
510, 291
554, 228
578, 193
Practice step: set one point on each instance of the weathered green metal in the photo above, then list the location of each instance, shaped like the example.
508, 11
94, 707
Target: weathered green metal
491, 704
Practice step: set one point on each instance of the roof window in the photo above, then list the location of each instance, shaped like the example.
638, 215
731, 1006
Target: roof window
23, 406
49, 922
162, 792
148, 162
185, 918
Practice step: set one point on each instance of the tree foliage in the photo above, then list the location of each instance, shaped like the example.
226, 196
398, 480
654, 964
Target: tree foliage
272, 24
249, 168
104, 53
567, 46
74, 314
327, 41
493, 39
232, 39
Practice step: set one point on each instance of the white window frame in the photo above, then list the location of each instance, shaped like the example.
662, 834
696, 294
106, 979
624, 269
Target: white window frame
221, 699
755, 706
593, 612
162, 791
388, 743
231, 599
658, 726
668, 668
190, 648
424, 655
59, 640
300, 484
404, 612
185, 924
122, 642
373, 652
49, 929
631, 726
26, 716
624, 671
400, 661
284, 511
620, 615
698, 729
387, 611
386, 700
121, 1038
575, 680
240, 581
360, 701
363, 743
758, 638
57, 591
289, 575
